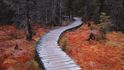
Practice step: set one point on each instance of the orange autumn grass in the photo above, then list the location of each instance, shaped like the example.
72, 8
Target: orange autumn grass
16, 53
96, 55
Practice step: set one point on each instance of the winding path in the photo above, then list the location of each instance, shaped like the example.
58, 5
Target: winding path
51, 55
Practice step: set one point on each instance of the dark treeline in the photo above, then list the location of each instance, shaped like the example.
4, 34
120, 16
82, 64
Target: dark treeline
52, 12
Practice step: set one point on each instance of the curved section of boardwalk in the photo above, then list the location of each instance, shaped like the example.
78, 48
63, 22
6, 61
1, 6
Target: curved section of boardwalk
51, 55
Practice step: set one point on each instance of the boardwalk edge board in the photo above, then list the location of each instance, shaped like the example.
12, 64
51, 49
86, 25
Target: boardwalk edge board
50, 55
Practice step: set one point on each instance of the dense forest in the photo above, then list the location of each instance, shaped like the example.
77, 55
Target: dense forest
53, 11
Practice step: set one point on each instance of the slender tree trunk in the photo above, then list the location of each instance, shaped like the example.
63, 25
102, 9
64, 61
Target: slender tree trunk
60, 12
29, 27
46, 18
54, 12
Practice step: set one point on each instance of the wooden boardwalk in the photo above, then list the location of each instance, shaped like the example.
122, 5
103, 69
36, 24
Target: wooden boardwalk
51, 55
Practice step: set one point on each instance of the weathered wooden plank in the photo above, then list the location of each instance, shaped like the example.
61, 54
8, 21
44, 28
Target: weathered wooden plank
50, 54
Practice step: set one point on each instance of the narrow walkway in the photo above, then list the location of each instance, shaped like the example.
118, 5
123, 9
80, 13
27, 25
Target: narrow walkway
51, 55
